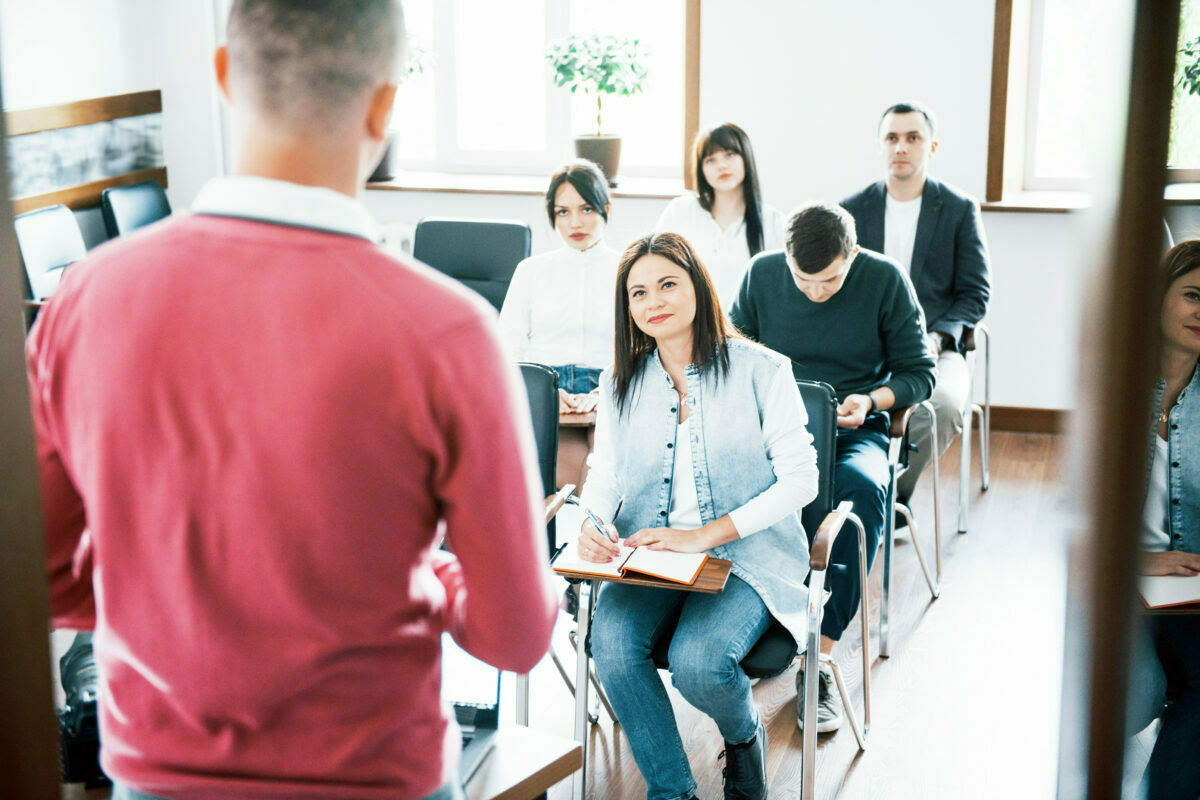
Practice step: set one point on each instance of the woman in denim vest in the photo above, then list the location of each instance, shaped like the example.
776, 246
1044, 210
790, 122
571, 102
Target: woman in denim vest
701, 446
1168, 661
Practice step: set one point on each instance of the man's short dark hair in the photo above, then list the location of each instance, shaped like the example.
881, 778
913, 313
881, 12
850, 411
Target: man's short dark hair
818, 234
907, 108
307, 62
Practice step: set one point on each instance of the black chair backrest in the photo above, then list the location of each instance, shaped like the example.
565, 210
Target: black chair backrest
481, 254
49, 241
127, 208
820, 401
541, 384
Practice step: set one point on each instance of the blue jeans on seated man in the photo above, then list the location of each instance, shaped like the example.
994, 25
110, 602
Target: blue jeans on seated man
861, 476
713, 634
575, 379
451, 791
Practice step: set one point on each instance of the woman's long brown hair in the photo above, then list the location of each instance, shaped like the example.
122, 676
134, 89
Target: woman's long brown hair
710, 334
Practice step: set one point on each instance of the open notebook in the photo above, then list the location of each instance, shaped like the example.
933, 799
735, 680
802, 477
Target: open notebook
1160, 591
665, 564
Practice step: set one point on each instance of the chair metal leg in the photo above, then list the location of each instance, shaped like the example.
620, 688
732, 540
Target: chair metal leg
889, 524
964, 470
935, 586
984, 426
582, 668
816, 596
601, 696
865, 613
523, 700
860, 734
593, 717
937, 498
985, 429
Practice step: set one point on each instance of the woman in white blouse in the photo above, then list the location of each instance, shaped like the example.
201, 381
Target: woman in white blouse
725, 220
559, 309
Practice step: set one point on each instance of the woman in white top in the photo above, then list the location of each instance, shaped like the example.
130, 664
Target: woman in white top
726, 220
559, 309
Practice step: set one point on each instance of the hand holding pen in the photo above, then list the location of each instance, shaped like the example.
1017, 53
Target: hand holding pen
597, 542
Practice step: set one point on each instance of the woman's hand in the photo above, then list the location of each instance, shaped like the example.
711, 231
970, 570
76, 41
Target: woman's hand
1171, 562
566, 402
852, 412
576, 403
596, 546
694, 541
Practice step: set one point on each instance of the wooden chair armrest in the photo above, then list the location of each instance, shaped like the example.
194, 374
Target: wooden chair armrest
818, 556
33, 305
900, 417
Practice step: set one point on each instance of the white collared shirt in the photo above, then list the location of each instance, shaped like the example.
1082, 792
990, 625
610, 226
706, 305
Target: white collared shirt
725, 253
267, 200
900, 230
559, 309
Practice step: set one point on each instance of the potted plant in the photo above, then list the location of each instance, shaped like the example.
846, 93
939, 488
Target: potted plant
599, 64
418, 58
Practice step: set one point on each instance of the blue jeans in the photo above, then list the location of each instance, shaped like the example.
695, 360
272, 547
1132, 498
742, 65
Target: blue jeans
576, 379
861, 475
451, 791
714, 633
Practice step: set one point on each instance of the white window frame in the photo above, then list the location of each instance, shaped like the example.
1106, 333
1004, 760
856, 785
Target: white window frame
1030, 180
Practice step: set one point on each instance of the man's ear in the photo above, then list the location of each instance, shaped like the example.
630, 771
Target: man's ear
221, 65
379, 113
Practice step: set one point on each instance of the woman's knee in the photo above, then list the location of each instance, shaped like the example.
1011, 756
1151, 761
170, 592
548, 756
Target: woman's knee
700, 668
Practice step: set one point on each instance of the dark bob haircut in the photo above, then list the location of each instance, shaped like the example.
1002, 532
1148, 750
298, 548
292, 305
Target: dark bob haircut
907, 108
709, 332
730, 137
817, 234
587, 179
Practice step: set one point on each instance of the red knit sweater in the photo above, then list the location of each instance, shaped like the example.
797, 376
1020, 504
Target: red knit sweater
250, 436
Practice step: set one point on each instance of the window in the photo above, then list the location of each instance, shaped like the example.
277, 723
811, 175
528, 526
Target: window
1044, 98
485, 101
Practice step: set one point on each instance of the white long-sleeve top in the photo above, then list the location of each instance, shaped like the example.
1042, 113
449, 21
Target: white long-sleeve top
559, 308
725, 253
788, 445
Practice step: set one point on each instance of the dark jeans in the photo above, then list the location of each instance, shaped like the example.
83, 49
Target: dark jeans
860, 476
1174, 769
576, 379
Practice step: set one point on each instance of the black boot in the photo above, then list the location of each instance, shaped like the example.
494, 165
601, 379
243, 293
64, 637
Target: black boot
745, 771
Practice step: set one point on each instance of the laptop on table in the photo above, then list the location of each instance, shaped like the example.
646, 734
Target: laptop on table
472, 687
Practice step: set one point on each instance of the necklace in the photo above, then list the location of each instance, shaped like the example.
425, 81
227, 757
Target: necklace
1163, 415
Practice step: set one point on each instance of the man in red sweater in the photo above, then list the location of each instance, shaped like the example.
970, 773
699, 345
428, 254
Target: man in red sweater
253, 428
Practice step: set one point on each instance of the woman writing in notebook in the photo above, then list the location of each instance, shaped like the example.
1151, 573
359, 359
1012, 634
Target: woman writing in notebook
1168, 659
701, 442
558, 309
726, 220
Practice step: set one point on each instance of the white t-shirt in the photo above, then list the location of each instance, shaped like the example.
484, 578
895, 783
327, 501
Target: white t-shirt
559, 309
1154, 515
900, 230
724, 253
684, 514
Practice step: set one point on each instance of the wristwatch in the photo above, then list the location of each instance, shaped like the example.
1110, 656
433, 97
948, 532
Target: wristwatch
947, 340
871, 397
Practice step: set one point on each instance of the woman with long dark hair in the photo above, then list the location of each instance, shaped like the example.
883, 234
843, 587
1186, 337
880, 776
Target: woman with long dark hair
1168, 662
701, 443
557, 310
725, 220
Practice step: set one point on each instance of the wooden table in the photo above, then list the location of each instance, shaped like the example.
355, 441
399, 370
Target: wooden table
711, 580
523, 764
576, 437
587, 420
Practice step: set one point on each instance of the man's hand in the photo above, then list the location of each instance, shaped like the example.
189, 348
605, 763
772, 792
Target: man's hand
696, 541
935, 342
1172, 562
853, 411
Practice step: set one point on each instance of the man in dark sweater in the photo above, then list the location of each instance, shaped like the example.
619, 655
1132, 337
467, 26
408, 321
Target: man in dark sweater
935, 232
849, 317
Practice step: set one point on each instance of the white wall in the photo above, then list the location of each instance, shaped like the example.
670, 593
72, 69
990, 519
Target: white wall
65, 50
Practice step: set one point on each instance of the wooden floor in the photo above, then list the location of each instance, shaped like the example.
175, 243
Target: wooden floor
968, 703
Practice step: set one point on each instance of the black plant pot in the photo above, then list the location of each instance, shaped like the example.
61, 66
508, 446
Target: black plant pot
604, 150
385, 170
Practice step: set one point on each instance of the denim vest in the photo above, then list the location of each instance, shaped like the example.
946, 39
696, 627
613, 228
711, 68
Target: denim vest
729, 466
1183, 464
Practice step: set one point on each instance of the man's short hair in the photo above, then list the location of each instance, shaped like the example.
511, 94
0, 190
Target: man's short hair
308, 62
907, 108
818, 234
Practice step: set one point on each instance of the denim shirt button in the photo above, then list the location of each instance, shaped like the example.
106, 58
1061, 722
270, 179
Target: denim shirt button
666, 480
674, 410
1174, 427
662, 513
670, 445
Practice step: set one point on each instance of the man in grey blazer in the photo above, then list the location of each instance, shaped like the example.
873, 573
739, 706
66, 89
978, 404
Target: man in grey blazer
936, 232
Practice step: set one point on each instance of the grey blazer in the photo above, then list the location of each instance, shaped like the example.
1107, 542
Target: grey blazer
950, 258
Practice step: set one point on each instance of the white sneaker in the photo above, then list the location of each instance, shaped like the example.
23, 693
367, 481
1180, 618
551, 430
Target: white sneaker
829, 701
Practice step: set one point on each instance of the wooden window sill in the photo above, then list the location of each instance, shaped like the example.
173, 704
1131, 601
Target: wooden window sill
1040, 202
421, 181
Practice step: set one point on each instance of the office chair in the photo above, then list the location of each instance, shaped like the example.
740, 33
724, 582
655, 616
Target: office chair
127, 208
776, 649
480, 254
49, 240
541, 385
982, 414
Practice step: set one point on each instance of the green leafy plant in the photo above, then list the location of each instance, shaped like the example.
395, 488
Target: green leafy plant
599, 64
1189, 75
419, 58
